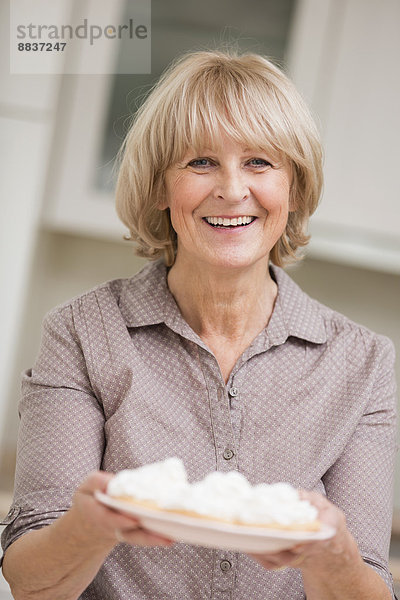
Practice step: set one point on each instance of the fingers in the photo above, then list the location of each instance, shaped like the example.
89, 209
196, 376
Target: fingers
281, 560
304, 556
298, 561
105, 524
318, 500
98, 480
118, 520
328, 513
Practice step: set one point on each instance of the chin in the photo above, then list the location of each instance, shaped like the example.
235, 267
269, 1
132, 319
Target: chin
235, 262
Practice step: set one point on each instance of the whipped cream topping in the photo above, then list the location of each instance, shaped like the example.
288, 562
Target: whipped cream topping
226, 496
160, 482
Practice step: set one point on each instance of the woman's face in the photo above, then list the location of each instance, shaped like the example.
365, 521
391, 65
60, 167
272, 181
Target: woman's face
228, 205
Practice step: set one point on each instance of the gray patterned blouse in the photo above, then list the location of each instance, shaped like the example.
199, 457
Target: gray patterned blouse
121, 380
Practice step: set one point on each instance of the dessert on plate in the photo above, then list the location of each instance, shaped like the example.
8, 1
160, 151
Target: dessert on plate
221, 496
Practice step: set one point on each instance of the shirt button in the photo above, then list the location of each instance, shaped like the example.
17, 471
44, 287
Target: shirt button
225, 565
228, 454
233, 392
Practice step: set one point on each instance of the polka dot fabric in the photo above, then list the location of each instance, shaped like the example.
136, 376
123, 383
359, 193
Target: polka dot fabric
121, 380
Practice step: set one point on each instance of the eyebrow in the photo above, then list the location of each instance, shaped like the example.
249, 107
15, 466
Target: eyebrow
207, 149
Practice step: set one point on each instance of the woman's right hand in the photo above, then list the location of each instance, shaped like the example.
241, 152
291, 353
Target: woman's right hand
59, 561
105, 525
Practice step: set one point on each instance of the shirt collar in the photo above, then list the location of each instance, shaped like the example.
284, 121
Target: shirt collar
146, 300
295, 313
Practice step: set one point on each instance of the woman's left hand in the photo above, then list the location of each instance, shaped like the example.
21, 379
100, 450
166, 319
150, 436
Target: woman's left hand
324, 555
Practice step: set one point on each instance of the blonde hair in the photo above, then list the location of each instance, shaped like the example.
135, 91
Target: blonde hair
197, 97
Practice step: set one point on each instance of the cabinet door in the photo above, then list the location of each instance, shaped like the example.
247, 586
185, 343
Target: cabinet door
356, 95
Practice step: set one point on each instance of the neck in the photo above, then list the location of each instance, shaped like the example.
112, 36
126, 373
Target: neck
234, 304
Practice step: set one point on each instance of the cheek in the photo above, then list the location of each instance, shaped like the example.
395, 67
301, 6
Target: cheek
186, 196
275, 198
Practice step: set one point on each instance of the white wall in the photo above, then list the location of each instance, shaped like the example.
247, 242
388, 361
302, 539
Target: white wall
26, 119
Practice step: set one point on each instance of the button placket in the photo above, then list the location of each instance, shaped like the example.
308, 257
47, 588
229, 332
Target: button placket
221, 394
223, 432
235, 405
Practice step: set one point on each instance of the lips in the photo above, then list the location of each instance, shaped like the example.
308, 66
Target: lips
241, 221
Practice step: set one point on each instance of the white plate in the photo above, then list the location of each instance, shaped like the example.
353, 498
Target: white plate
214, 534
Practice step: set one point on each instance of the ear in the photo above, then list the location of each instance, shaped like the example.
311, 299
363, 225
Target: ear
162, 204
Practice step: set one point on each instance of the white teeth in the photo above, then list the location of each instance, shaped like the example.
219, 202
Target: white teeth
234, 222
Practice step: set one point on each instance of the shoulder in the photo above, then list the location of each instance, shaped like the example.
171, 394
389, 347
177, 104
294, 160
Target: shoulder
344, 337
113, 290
66, 311
355, 353
361, 342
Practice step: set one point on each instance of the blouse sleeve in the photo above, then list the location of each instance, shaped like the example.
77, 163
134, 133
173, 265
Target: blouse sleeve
61, 436
361, 481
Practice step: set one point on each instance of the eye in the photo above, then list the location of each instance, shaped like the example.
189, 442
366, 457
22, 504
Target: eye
199, 163
259, 162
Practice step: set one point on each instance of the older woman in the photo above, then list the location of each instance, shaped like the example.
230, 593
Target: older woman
211, 354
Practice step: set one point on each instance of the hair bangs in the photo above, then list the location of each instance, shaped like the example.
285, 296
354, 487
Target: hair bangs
211, 109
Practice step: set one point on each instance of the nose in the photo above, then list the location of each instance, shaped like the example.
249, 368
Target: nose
232, 186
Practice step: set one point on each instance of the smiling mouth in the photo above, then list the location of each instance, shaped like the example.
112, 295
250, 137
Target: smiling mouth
226, 222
